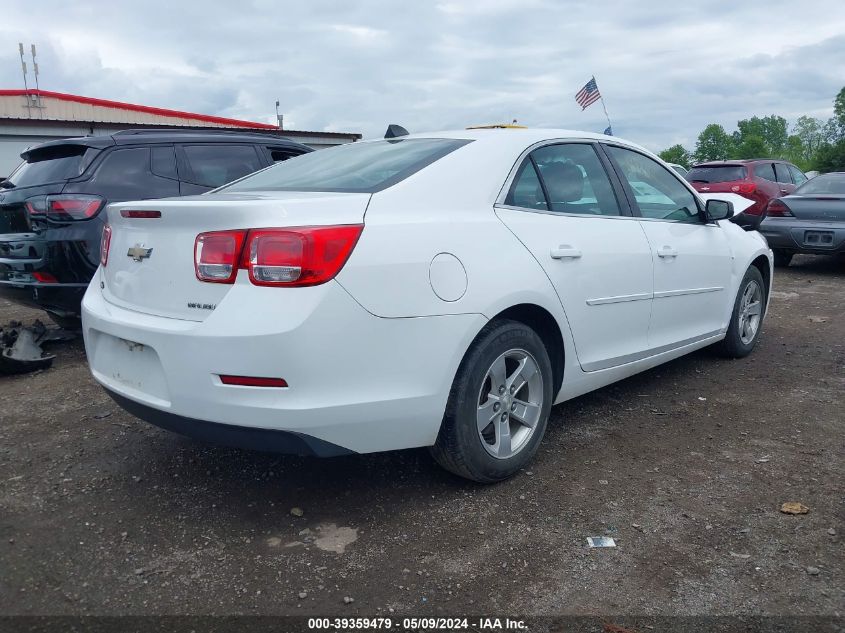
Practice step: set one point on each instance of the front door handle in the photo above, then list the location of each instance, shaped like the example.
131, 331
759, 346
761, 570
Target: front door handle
667, 251
565, 251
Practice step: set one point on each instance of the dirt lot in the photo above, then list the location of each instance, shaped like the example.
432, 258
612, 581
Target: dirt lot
686, 466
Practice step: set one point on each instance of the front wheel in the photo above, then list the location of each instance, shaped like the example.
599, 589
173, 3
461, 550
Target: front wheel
498, 406
747, 316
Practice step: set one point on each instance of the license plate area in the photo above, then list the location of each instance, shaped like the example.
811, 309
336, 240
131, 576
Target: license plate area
818, 238
129, 367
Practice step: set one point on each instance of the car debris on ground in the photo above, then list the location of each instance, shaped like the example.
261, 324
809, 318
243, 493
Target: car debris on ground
21, 347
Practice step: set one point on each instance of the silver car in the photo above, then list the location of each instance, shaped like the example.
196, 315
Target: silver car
811, 220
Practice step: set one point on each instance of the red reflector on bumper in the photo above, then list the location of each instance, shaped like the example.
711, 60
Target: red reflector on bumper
253, 381
45, 278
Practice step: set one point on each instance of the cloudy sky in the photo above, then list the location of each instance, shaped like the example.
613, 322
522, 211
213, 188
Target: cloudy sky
666, 68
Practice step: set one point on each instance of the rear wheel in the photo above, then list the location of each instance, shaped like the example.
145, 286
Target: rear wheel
747, 316
498, 406
782, 258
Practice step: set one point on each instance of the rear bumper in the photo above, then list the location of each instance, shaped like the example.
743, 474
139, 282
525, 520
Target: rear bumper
267, 440
357, 381
789, 234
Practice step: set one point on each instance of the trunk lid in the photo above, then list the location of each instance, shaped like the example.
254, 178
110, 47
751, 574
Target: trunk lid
820, 207
150, 266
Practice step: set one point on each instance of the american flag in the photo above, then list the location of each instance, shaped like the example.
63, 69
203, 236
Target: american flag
588, 95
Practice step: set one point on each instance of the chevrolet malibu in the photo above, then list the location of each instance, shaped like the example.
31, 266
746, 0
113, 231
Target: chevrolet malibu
439, 290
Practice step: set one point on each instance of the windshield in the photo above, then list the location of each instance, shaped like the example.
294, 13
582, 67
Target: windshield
51, 165
354, 167
830, 184
720, 173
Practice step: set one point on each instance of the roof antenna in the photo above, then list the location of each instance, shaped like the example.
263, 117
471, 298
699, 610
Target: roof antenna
394, 130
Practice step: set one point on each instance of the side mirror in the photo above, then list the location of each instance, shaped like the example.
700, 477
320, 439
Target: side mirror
718, 210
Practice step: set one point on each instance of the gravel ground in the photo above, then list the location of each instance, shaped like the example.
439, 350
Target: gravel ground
686, 466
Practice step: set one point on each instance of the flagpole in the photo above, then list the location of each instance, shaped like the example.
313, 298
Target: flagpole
604, 107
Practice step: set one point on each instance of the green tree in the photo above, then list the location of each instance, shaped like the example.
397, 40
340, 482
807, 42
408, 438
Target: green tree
838, 121
713, 144
830, 157
752, 146
772, 130
677, 154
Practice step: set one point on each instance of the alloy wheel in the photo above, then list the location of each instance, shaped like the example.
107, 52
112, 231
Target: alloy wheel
750, 312
509, 403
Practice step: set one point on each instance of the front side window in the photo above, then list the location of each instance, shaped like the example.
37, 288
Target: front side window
216, 165
658, 192
782, 173
354, 168
573, 181
798, 176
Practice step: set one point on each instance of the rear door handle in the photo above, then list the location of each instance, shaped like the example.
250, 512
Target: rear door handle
565, 251
667, 251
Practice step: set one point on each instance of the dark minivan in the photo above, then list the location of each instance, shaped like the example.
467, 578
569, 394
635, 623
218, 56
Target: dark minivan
50, 206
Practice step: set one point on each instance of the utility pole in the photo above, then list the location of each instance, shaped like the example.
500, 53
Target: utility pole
280, 118
25, 85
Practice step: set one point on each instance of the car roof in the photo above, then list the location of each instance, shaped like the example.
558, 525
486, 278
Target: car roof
740, 161
515, 138
165, 135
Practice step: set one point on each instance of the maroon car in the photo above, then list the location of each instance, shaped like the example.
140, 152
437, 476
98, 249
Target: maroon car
758, 179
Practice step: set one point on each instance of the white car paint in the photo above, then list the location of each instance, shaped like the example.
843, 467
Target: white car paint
370, 356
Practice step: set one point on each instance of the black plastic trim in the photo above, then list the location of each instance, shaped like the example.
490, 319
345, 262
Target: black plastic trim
256, 439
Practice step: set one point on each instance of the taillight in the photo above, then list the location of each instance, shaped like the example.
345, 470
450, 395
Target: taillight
744, 187
45, 278
65, 207
777, 209
305, 256
105, 242
290, 257
216, 256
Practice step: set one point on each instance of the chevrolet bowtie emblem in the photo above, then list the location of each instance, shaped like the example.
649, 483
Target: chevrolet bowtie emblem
138, 252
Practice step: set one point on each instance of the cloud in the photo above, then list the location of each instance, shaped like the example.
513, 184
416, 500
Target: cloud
666, 69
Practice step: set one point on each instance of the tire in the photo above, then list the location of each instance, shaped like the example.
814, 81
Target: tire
782, 258
481, 454
738, 341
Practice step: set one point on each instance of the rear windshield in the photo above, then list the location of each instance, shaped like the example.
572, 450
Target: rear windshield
830, 184
721, 173
354, 167
57, 164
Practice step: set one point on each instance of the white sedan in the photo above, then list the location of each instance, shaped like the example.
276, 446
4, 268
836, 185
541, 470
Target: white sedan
440, 290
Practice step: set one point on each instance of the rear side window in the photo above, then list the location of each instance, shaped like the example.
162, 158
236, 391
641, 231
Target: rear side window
355, 167
164, 161
526, 191
278, 154
765, 171
125, 174
782, 172
215, 165
53, 165
719, 173
574, 180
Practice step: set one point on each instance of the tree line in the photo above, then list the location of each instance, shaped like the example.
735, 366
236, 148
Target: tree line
811, 144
